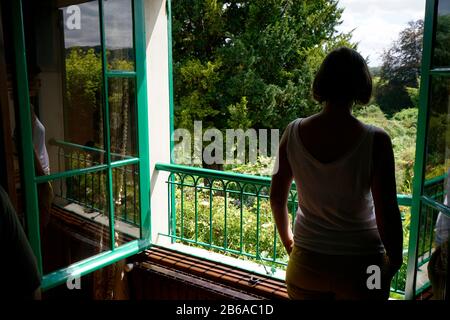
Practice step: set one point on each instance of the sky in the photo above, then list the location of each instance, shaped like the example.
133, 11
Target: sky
118, 25
377, 23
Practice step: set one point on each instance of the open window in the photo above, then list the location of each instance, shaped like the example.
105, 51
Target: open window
430, 225
82, 132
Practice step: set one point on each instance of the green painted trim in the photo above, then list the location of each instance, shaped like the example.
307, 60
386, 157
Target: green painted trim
70, 173
423, 288
140, 41
71, 145
404, 200
26, 140
126, 162
106, 125
171, 104
436, 205
419, 166
214, 173
120, 74
78, 146
93, 263
441, 72
434, 180
170, 62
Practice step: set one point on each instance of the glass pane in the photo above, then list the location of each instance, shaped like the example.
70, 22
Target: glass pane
432, 255
122, 112
437, 185
441, 56
126, 203
65, 75
118, 20
74, 219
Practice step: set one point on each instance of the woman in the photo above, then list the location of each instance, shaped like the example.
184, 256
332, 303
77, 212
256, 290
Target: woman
348, 219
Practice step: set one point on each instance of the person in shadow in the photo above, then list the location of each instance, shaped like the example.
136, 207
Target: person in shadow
20, 276
347, 239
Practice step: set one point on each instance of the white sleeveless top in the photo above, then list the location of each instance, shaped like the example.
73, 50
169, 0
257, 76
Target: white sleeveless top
336, 212
39, 145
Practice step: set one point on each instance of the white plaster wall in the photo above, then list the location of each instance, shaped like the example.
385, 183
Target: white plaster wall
158, 112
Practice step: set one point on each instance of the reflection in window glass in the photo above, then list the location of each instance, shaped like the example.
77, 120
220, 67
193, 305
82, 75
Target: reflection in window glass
70, 95
441, 56
432, 255
126, 203
118, 20
436, 185
122, 113
74, 219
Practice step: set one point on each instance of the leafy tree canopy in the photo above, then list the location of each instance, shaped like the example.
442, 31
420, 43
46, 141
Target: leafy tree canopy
401, 69
250, 63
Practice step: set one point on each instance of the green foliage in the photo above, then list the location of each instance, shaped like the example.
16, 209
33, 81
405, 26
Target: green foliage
84, 80
402, 129
239, 115
262, 167
414, 95
265, 52
400, 70
228, 219
197, 80
442, 43
83, 76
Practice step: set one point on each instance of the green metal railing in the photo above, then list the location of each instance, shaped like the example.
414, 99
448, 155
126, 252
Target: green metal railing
434, 190
230, 213
87, 189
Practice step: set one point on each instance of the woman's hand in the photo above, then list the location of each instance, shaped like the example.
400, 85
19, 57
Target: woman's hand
393, 266
289, 245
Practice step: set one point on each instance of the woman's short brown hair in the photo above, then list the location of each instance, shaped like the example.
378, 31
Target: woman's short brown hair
343, 77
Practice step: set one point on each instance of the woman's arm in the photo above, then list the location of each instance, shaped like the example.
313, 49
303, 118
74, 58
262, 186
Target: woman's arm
279, 192
385, 199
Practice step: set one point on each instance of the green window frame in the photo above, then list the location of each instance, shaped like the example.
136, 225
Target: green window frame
30, 181
420, 199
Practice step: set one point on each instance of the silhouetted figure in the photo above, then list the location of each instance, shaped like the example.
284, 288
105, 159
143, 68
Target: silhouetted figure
20, 277
348, 221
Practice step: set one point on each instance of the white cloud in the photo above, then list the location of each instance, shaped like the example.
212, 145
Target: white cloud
377, 23
118, 25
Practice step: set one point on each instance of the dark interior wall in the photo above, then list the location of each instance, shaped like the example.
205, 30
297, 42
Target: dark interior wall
6, 144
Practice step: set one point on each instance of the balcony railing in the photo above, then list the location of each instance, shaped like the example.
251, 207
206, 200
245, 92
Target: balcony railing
433, 189
230, 213
87, 189
220, 211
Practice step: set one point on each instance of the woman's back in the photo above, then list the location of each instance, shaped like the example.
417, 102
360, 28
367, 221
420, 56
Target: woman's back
329, 137
348, 218
336, 211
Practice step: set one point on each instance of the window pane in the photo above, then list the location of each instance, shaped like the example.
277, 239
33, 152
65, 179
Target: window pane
74, 219
126, 203
432, 254
442, 41
118, 20
437, 185
122, 112
65, 72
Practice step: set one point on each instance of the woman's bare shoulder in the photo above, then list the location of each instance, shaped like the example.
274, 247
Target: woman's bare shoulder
382, 142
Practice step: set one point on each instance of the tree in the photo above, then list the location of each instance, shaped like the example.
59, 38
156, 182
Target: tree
253, 58
400, 69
